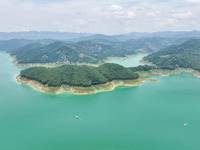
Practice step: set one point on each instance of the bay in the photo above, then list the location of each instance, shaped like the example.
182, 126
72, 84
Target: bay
146, 117
131, 61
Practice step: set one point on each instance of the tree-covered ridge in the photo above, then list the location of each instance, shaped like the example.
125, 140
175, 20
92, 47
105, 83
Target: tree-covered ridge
89, 51
186, 55
57, 52
76, 75
142, 68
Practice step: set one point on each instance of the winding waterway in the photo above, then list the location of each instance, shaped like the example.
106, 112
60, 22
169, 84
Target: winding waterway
147, 117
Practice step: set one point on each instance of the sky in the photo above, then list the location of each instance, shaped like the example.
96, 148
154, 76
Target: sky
99, 16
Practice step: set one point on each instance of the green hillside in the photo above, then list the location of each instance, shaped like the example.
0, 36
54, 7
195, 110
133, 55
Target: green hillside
89, 51
186, 55
57, 52
75, 75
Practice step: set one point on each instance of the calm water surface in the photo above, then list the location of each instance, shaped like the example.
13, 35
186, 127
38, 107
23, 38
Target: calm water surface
147, 117
132, 61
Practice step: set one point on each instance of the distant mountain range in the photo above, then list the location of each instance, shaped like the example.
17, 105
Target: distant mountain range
70, 36
13, 44
165, 34
36, 35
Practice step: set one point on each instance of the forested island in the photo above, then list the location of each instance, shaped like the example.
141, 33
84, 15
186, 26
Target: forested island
80, 79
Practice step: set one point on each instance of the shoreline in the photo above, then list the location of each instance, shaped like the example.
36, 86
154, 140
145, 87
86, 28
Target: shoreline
126, 57
162, 72
14, 61
109, 86
142, 61
12, 57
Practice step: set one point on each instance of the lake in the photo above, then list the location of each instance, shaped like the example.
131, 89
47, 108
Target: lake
146, 117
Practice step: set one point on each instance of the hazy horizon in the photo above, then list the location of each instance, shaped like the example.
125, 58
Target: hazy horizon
95, 33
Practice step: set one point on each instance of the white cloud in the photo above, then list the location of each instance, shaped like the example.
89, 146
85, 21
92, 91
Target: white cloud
171, 21
151, 14
130, 15
182, 14
120, 13
125, 15
116, 7
110, 17
193, 1
81, 22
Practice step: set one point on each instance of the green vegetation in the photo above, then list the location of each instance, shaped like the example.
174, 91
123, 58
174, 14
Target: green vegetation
89, 51
93, 50
53, 53
142, 68
74, 75
186, 55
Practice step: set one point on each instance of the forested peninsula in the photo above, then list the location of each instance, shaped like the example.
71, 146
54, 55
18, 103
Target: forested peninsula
186, 55
172, 60
80, 79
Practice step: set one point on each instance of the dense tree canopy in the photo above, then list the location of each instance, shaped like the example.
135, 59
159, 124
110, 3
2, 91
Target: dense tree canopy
87, 51
142, 68
75, 75
186, 55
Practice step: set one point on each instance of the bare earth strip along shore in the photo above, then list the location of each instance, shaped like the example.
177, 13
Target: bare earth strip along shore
105, 87
165, 72
83, 90
161, 72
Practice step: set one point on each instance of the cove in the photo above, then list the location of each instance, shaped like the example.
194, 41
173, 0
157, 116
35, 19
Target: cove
131, 61
146, 117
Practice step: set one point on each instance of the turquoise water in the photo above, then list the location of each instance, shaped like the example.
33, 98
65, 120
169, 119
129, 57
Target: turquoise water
132, 61
147, 117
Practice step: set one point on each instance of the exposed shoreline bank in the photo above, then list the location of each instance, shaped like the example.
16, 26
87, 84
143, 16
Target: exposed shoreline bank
163, 72
109, 86
126, 57
15, 62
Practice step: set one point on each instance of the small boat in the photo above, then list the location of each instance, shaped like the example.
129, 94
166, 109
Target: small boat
185, 124
77, 117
